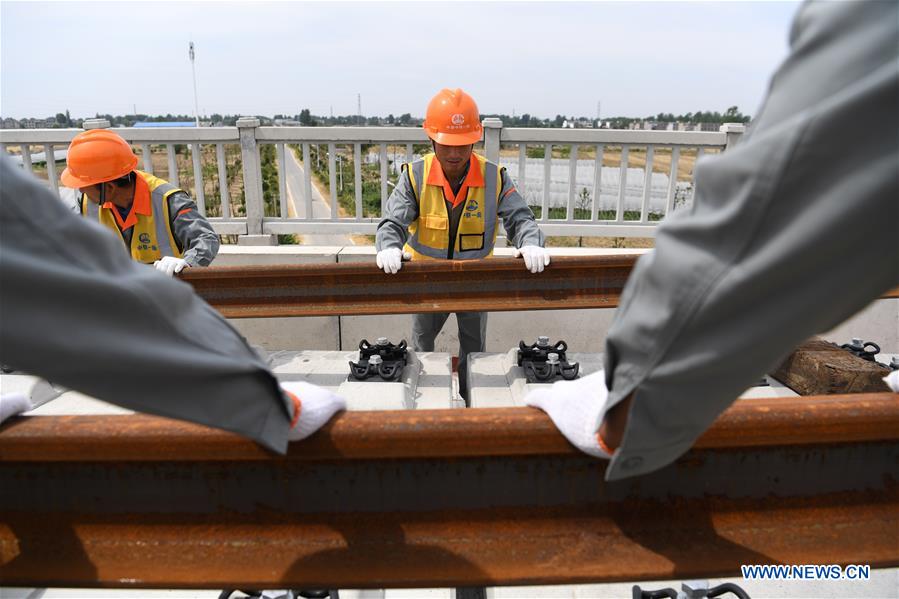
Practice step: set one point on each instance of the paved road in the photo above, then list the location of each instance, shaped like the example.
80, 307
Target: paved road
296, 192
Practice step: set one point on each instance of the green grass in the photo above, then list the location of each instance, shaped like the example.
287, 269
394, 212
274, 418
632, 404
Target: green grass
371, 180
560, 213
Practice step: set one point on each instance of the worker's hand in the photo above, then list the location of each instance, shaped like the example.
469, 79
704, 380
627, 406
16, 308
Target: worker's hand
535, 257
391, 259
892, 381
575, 408
313, 407
171, 265
12, 404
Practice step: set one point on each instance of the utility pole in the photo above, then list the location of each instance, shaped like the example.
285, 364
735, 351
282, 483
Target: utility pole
194, 71
598, 122
359, 107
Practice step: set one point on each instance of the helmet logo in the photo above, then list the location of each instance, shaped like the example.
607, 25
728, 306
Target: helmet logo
144, 238
457, 119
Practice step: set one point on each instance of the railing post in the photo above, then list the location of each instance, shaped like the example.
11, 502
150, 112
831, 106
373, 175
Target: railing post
252, 184
492, 129
734, 132
95, 124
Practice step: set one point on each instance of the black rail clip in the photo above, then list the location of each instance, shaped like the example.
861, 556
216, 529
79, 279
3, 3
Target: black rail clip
383, 359
543, 362
866, 350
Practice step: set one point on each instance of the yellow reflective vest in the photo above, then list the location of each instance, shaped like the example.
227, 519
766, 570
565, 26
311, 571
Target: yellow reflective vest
152, 237
476, 236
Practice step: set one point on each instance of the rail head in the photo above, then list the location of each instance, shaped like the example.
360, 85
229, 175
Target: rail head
493, 264
416, 434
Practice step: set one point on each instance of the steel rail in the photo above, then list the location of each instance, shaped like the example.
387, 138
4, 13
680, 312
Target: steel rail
441, 498
495, 284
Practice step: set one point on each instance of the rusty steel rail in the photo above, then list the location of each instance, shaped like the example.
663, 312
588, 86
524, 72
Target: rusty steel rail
441, 498
496, 284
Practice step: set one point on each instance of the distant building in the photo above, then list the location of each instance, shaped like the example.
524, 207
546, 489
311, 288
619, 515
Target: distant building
37, 123
286, 123
9, 124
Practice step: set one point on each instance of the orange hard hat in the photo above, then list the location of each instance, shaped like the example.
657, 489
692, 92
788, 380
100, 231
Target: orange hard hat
96, 156
453, 119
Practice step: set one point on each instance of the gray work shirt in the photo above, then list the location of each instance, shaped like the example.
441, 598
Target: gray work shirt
791, 232
401, 210
196, 239
78, 311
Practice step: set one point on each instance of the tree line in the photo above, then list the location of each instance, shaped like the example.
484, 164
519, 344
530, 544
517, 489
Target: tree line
307, 119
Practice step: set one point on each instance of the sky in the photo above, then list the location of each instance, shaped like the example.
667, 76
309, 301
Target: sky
266, 58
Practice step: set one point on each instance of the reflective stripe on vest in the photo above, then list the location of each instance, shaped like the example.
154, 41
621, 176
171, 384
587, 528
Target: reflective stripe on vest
486, 214
163, 228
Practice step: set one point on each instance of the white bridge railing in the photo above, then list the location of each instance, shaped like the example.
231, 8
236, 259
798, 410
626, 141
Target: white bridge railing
604, 182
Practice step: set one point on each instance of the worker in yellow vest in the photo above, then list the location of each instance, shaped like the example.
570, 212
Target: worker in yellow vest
446, 207
158, 223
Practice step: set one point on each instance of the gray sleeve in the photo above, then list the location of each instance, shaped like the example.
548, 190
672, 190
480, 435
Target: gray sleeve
78, 311
71, 199
790, 232
198, 239
400, 211
518, 219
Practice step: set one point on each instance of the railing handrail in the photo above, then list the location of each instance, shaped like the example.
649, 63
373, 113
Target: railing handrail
372, 135
612, 136
364, 135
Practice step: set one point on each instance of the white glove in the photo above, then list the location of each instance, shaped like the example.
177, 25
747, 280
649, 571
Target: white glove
576, 409
170, 265
313, 405
12, 404
892, 381
536, 258
391, 259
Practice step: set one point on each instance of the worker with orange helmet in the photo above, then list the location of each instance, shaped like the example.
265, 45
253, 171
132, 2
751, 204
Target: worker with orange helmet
446, 207
158, 223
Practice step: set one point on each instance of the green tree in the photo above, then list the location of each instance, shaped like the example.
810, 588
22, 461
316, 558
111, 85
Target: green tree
306, 118
405, 118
